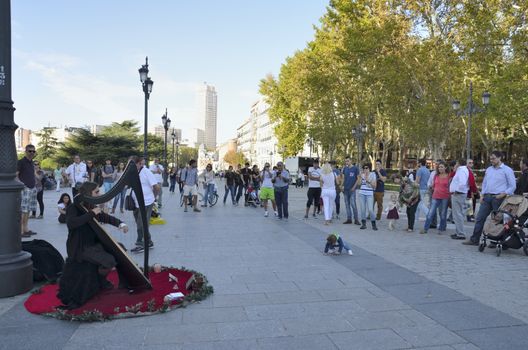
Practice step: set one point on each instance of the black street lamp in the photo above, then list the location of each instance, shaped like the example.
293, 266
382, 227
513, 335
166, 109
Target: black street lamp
174, 138
470, 110
358, 133
147, 89
166, 125
16, 269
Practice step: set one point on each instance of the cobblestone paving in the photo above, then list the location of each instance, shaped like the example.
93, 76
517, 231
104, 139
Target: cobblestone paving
274, 289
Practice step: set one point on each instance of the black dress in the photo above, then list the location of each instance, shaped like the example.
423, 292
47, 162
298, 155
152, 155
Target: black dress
81, 279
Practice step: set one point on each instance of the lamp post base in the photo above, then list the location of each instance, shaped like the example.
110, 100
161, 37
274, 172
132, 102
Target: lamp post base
16, 274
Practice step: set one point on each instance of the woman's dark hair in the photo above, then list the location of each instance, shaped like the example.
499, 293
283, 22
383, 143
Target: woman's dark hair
61, 199
87, 188
366, 165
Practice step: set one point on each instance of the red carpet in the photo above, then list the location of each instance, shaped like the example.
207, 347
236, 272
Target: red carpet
118, 302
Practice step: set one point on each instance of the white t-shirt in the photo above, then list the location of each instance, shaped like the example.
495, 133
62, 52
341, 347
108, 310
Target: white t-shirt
314, 172
266, 179
148, 181
328, 181
155, 168
77, 173
61, 206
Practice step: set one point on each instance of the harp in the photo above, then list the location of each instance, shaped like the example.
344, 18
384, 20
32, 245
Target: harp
135, 278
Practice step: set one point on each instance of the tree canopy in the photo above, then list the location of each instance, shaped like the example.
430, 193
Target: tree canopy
396, 66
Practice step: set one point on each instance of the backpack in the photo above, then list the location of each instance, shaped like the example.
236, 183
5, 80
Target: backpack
47, 261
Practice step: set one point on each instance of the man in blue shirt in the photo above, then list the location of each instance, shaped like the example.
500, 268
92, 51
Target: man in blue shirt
422, 178
350, 175
499, 182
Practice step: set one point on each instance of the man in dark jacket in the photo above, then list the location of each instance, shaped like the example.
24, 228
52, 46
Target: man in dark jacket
522, 181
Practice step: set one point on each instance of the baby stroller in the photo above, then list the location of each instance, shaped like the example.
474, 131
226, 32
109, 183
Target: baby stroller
252, 198
504, 227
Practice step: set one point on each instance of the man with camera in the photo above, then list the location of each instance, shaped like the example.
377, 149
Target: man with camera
282, 180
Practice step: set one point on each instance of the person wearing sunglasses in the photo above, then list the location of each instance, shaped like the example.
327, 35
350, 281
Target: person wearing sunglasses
26, 175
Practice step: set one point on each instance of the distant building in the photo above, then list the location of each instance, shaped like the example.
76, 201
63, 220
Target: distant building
207, 117
96, 129
256, 137
196, 138
178, 133
61, 134
22, 138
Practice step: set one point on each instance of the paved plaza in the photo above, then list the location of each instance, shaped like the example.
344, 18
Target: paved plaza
274, 289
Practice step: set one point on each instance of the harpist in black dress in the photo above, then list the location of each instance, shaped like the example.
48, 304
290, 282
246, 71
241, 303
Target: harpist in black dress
88, 262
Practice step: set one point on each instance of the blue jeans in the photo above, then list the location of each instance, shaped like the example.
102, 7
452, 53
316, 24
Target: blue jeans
209, 189
172, 184
489, 204
119, 197
230, 189
281, 200
366, 204
350, 204
435, 204
107, 186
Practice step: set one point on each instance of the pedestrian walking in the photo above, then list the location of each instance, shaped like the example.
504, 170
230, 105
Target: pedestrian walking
120, 198
422, 177
328, 191
57, 174
157, 169
350, 175
282, 180
499, 182
366, 183
439, 198
267, 193
314, 188
410, 196
40, 179
208, 183
26, 175
379, 192
230, 184
458, 188
190, 185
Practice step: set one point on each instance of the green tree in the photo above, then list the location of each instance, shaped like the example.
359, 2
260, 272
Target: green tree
233, 158
47, 144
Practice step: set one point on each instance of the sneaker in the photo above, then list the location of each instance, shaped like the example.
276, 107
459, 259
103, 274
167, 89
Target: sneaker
197, 210
350, 252
347, 222
423, 232
276, 213
26, 235
138, 249
40, 217
265, 214
356, 222
151, 245
185, 210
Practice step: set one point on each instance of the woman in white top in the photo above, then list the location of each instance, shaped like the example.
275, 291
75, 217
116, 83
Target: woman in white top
208, 183
328, 192
366, 183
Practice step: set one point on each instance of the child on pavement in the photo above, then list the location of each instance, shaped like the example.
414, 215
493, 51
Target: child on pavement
334, 241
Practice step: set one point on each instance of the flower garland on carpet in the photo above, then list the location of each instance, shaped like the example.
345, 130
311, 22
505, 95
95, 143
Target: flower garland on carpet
203, 290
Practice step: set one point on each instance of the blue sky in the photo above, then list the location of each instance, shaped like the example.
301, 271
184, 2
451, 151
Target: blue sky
75, 62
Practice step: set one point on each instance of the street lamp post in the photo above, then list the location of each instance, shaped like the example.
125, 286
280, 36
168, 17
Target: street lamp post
166, 125
147, 89
16, 273
470, 110
358, 133
173, 137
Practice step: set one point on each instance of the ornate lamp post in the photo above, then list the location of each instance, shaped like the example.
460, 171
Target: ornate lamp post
166, 125
358, 133
147, 89
470, 110
16, 273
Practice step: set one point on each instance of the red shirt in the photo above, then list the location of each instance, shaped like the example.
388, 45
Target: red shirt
441, 187
472, 184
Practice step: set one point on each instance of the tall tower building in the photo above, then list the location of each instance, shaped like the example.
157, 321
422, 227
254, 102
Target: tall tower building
207, 119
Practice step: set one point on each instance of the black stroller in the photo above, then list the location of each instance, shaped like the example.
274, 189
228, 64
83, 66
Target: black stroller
504, 227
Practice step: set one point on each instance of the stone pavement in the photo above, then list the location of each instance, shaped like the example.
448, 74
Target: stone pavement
275, 290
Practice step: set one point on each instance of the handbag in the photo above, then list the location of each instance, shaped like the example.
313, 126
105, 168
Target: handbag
130, 204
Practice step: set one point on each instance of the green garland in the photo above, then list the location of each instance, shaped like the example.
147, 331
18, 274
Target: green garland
134, 310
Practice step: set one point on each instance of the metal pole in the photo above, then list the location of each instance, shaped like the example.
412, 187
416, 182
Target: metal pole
145, 147
470, 111
16, 271
173, 164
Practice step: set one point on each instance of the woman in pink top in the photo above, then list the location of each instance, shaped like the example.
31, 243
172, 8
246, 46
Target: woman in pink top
439, 199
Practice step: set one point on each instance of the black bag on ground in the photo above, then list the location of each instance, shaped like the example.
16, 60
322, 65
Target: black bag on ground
47, 261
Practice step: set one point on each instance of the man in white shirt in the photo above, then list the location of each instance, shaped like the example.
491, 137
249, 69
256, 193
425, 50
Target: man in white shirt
77, 174
157, 169
150, 187
314, 188
459, 188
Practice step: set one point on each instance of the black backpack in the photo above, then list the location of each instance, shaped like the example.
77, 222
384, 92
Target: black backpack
47, 261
